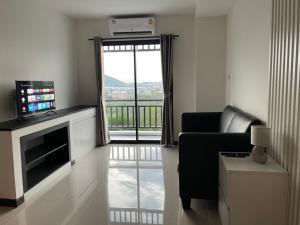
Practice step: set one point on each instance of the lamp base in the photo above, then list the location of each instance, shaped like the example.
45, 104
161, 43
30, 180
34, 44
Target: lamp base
259, 155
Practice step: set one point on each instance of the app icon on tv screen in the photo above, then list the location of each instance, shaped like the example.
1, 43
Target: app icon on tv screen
30, 108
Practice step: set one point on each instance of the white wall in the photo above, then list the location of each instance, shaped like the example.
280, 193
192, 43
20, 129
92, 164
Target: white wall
210, 63
85, 56
184, 77
36, 44
248, 46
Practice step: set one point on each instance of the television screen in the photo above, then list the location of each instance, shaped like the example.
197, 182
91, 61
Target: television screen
35, 96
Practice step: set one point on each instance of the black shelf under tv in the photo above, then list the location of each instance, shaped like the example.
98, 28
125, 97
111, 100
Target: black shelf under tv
43, 153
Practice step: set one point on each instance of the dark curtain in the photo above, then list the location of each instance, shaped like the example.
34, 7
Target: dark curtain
166, 41
101, 121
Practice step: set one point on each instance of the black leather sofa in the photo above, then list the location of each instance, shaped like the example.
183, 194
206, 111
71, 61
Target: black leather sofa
203, 136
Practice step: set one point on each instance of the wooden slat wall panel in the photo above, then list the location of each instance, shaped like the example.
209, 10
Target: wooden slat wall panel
284, 99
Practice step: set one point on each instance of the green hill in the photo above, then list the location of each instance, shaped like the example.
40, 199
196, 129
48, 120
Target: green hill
112, 82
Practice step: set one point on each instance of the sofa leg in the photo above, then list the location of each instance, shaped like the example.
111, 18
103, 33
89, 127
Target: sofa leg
186, 203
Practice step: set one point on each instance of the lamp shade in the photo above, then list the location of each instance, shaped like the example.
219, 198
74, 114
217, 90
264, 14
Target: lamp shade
260, 136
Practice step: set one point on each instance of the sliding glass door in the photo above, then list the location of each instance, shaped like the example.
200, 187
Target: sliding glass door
133, 90
119, 86
149, 91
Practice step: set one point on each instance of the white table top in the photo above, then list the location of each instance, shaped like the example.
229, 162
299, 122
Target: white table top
233, 164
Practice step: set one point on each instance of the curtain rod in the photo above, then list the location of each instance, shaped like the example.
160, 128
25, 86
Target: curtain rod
130, 38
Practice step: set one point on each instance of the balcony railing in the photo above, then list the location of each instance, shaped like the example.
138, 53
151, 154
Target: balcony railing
136, 216
122, 115
142, 154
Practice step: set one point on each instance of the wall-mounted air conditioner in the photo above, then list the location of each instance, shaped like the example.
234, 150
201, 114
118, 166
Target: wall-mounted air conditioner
132, 26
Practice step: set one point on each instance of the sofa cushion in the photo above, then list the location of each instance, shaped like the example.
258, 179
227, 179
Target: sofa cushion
241, 123
227, 115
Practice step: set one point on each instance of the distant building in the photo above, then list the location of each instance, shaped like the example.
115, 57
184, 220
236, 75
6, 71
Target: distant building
120, 95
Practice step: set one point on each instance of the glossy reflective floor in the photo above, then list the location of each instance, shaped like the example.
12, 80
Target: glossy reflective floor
116, 184
131, 135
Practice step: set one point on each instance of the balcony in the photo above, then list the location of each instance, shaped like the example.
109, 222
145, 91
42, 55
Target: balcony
123, 119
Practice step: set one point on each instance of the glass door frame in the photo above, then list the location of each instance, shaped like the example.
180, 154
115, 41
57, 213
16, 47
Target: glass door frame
133, 42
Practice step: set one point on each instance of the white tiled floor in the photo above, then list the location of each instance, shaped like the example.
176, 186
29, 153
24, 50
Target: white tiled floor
116, 184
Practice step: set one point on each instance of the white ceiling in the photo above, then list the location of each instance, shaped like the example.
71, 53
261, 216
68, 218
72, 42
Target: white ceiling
104, 8
213, 7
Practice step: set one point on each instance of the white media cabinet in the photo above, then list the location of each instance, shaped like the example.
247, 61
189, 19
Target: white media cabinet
34, 148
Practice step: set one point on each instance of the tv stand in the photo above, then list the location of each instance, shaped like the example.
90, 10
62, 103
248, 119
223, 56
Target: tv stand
21, 118
51, 112
44, 152
37, 115
36, 150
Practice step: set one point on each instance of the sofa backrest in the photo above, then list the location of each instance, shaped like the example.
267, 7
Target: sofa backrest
236, 121
226, 117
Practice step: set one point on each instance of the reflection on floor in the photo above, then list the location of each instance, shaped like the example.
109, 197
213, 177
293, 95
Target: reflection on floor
126, 135
116, 184
136, 185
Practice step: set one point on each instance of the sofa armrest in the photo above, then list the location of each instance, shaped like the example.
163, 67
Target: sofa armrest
198, 160
198, 148
202, 147
200, 122
219, 141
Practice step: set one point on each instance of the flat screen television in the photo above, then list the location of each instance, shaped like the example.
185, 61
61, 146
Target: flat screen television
34, 97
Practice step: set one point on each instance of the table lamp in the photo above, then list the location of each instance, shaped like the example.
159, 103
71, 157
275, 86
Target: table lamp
260, 137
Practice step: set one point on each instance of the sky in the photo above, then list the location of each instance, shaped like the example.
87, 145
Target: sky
120, 65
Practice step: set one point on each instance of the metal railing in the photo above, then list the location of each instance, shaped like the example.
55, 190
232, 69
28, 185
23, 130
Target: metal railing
122, 114
136, 216
143, 153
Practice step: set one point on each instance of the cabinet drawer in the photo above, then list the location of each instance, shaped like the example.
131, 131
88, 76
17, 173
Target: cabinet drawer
223, 209
223, 182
